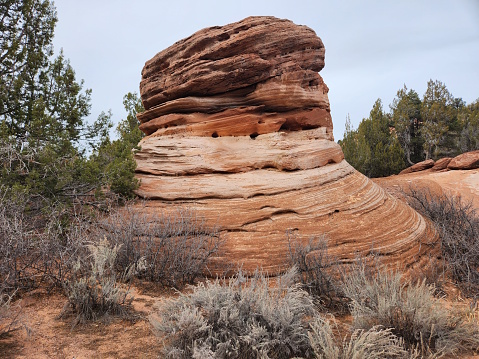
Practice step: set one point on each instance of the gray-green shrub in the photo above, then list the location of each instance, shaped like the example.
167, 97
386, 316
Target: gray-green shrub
94, 290
238, 318
318, 271
374, 343
411, 311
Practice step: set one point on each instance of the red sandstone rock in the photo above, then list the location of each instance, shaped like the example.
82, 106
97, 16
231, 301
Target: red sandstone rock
466, 161
239, 129
267, 65
420, 166
441, 164
221, 59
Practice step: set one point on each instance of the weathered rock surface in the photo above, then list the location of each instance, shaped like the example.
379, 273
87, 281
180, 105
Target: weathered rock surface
420, 166
239, 129
465, 161
441, 164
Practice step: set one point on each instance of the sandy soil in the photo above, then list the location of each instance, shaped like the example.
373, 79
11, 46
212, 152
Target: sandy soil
52, 337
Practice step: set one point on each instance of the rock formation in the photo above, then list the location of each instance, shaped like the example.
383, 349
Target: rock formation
239, 128
464, 161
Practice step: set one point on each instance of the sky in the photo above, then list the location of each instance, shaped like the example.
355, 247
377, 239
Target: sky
373, 47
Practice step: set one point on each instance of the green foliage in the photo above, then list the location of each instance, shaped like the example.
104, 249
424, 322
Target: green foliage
113, 161
438, 126
44, 139
406, 117
373, 149
438, 115
468, 118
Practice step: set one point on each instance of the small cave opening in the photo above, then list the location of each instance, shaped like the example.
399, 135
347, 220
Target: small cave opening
254, 135
214, 134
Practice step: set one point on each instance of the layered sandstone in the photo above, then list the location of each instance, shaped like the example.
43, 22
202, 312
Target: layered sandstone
239, 128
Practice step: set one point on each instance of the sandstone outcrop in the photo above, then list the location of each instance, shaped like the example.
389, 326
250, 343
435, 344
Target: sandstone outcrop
465, 161
420, 166
239, 128
441, 164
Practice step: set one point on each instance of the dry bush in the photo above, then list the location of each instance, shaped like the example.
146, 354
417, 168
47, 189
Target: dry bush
16, 242
411, 311
458, 225
44, 249
175, 247
93, 290
238, 318
36, 250
374, 343
11, 318
318, 271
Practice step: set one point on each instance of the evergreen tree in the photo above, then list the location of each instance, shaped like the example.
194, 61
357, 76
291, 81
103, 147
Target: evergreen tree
113, 161
468, 118
439, 119
43, 109
406, 117
373, 149
355, 149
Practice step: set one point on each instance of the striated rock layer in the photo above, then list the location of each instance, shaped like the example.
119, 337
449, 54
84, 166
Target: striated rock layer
239, 128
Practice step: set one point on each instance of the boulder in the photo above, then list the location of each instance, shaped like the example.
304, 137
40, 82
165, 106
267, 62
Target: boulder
420, 166
441, 164
239, 129
465, 161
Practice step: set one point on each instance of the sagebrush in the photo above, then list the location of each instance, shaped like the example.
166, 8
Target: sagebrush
238, 318
375, 343
94, 291
410, 310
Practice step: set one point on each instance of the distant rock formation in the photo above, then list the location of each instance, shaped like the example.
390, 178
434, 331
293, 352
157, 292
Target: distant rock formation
464, 161
239, 128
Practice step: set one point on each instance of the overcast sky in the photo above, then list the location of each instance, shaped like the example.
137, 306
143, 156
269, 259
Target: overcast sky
373, 47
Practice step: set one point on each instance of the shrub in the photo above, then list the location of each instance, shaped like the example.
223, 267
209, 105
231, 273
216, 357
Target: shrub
175, 247
318, 271
374, 343
412, 312
458, 225
238, 318
93, 290
10, 315
36, 249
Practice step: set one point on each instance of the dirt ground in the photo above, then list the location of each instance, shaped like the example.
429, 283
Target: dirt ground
51, 337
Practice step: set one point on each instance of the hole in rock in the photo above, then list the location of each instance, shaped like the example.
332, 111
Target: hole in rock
336, 211
253, 135
214, 134
223, 37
